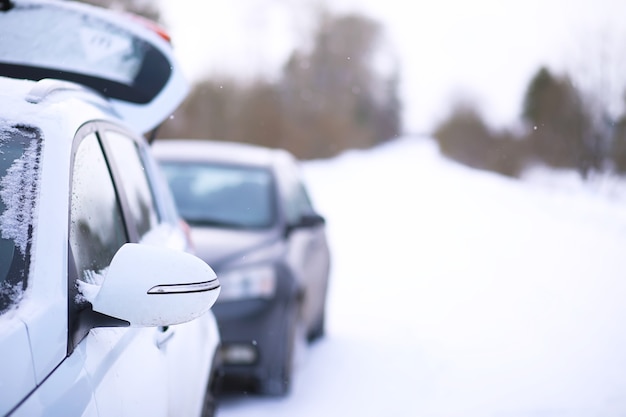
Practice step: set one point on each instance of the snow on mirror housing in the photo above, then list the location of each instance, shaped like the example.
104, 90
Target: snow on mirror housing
154, 286
109, 52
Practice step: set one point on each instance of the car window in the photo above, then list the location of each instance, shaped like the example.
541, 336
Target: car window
222, 195
126, 59
297, 203
96, 228
296, 199
19, 176
304, 200
129, 164
94, 52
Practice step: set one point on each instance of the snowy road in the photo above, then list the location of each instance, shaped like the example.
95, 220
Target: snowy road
460, 293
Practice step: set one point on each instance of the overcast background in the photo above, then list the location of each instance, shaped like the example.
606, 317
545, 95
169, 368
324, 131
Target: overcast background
486, 50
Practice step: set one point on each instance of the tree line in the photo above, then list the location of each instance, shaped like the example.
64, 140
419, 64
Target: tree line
562, 128
327, 98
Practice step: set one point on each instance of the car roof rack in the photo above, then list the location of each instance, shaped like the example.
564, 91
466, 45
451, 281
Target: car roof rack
44, 88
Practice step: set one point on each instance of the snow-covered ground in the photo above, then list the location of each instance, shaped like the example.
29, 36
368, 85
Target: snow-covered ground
461, 293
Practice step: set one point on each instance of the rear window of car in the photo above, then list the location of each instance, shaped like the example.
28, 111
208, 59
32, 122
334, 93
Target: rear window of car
222, 195
81, 48
20, 150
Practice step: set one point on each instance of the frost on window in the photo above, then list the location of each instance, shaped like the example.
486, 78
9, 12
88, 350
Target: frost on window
10, 294
18, 193
19, 178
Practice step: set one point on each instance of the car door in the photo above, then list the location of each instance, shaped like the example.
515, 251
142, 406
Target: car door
125, 366
187, 349
61, 361
308, 251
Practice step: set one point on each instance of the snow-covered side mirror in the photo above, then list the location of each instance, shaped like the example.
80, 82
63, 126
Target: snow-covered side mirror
153, 286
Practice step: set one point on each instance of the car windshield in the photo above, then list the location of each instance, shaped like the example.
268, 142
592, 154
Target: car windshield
19, 176
222, 195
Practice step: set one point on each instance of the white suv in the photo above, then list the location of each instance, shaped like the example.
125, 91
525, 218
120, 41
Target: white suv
103, 312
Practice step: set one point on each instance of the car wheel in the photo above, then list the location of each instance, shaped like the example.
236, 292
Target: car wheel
280, 383
209, 405
319, 330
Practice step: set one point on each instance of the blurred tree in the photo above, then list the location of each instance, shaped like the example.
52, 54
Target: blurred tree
465, 137
208, 112
335, 92
618, 144
145, 8
562, 129
328, 98
599, 62
224, 109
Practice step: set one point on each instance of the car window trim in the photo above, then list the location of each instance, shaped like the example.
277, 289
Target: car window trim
76, 330
131, 225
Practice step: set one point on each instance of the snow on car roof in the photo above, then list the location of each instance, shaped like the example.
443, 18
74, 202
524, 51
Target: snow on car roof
24, 101
10, 92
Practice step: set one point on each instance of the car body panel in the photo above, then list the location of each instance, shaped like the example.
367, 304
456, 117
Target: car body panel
309, 253
70, 381
189, 340
112, 358
16, 360
222, 246
44, 309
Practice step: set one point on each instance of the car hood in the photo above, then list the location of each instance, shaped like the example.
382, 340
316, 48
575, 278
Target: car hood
220, 247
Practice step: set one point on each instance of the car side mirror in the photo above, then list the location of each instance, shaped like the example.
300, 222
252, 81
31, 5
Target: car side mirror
311, 220
308, 220
153, 286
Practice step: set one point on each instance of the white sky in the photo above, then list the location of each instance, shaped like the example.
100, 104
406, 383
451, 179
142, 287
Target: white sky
484, 49
471, 296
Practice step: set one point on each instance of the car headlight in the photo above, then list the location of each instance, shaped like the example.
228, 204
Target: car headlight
257, 281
